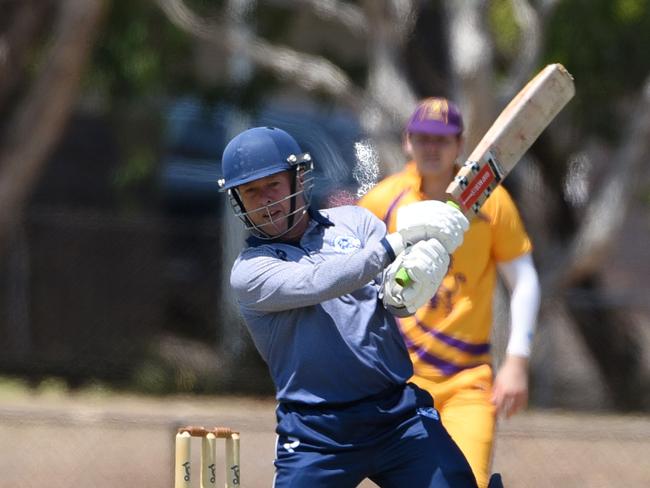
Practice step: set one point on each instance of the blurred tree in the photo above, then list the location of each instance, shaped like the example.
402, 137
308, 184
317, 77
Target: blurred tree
43, 63
139, 60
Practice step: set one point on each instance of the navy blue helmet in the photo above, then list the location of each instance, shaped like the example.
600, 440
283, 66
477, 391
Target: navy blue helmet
260, 152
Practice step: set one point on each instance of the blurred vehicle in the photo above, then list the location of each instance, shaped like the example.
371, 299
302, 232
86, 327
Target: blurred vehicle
197, 135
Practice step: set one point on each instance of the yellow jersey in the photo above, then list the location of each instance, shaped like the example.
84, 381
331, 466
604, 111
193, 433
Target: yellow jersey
452, 332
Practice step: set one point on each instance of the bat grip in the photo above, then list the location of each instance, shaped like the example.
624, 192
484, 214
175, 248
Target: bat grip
402, 276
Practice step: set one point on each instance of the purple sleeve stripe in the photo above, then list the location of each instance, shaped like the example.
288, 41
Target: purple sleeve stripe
466, 347
391, 207
446, 368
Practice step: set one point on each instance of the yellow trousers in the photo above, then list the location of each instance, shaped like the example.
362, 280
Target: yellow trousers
463, 401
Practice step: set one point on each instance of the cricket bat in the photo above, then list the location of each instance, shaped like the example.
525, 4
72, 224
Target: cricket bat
506, 141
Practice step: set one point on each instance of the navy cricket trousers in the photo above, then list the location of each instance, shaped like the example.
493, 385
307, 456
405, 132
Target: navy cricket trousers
395, 440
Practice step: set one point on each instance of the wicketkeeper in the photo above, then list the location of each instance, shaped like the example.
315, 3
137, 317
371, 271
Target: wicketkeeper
449, 337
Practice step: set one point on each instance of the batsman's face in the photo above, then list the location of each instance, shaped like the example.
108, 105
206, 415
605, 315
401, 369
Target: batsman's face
268, 203
434, 155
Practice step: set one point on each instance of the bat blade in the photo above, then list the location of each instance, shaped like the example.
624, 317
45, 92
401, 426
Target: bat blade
506, 141
510, 136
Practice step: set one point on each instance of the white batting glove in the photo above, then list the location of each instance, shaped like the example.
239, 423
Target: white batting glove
426, 263
430, 219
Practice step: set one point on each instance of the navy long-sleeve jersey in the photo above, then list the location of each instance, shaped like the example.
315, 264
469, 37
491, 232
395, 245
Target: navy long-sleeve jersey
313, 310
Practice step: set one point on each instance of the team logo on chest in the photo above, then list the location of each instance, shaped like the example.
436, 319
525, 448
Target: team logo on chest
346, 244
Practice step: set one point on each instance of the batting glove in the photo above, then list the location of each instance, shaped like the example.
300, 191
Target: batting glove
426, 263
429, 219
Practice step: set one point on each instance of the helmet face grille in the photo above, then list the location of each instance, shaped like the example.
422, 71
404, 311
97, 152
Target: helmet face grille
304, 179
258, 153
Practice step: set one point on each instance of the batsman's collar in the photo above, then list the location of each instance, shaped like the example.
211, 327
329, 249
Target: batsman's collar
435, 116
315, 215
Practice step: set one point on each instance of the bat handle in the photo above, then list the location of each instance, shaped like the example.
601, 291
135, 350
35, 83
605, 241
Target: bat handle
402, 276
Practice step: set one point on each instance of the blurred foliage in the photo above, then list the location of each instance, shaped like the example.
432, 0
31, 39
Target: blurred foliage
645, 192
606, 45
505, 30
141, 59
139, 53
603, 43
135, 175
274, 22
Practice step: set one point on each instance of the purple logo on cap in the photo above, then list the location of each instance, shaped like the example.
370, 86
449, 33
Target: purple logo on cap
437, 116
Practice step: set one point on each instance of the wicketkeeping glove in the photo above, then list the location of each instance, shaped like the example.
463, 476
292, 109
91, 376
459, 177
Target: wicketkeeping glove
426, 263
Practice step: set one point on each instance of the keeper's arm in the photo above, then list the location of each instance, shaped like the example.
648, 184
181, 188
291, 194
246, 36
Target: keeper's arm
510, 392
521, 279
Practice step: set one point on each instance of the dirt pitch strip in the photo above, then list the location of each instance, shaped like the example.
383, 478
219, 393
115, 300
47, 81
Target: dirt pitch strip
107, 442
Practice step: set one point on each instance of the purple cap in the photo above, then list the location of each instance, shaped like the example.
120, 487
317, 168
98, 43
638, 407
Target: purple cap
437, 116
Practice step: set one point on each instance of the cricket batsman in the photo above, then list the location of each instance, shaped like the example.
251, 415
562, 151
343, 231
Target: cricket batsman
318, 293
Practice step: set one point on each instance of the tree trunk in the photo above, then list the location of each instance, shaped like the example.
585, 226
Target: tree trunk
40, 119
25, 20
